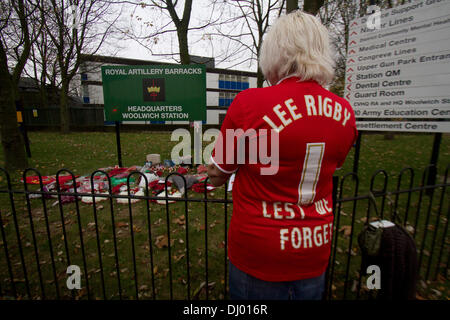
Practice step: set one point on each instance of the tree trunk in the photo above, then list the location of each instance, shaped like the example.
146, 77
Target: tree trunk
312, 6
64, 108
43, 95
183, 45
43, 90
12, 142
259, 79
291, 5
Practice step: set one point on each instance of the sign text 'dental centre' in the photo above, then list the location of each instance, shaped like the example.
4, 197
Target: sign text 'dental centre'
154, 93
401, 69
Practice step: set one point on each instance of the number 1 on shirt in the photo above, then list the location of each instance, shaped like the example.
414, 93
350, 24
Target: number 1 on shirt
311, 172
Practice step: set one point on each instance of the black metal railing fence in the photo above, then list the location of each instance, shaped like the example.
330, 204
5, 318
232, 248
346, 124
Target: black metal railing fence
40, 240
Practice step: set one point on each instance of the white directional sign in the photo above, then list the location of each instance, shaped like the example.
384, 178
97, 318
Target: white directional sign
402, 68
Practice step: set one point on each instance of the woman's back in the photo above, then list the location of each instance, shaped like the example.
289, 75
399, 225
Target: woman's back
282, 217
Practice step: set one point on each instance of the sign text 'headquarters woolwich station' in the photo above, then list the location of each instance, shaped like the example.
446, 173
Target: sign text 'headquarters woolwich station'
154, 93
400, 69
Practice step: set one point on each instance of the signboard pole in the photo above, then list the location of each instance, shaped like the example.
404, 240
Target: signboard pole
357, 149
433, 162
119, 149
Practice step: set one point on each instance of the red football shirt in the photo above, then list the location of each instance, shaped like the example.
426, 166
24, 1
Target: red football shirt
281, 227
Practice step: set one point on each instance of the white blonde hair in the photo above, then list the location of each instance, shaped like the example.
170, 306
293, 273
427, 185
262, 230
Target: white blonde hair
297, 44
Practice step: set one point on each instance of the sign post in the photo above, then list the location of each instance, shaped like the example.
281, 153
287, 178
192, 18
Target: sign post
433, 162
119, 148
357, 150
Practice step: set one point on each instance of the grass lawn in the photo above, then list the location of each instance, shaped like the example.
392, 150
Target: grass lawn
83, 153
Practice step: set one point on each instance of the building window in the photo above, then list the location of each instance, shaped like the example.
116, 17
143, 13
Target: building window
85, 91
245, 83
229, 98
227, 81
233, 82
221, 81
221, 117
222, 99
84, 77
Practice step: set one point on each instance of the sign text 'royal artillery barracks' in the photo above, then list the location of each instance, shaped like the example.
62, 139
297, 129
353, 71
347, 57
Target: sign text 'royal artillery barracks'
154, 93
401, 68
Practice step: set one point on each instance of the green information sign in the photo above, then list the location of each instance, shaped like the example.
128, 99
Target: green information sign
154, 93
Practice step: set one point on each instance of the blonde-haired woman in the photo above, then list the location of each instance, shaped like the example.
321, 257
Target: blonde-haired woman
281, 229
